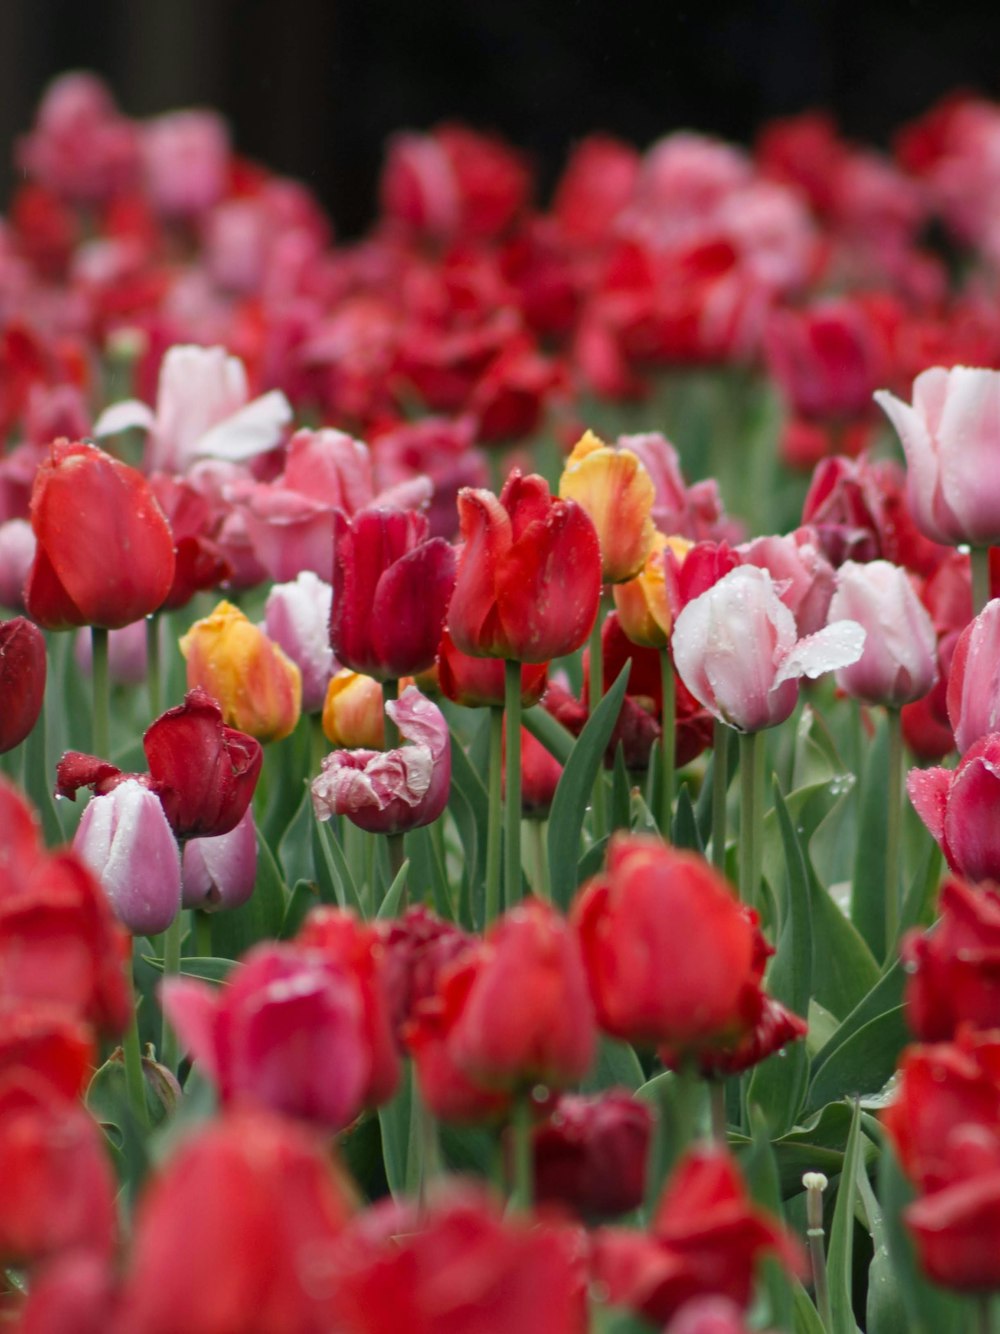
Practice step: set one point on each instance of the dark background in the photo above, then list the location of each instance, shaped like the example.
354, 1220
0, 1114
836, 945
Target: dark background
313, 87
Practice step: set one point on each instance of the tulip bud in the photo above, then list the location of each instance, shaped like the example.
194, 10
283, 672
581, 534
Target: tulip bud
352, 712
22, 680
258, 686
221, 872
297, 618
591, 1153
479, 682
973, 685
642, 603
899, 661
124, 837
959, 807
617, 493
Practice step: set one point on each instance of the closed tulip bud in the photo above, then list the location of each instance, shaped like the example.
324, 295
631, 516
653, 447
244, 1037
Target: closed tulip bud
591, 1154
297, 619
959, 807
352, 712
642, 603
220, 872
954, 970
737, 649
669, 952
124, 837
391, 588
105, 551
529, 576
973, 684
525, 1016
388, 792
949, 435
617, 493
899, 661
479, 682
22, 680
256, 683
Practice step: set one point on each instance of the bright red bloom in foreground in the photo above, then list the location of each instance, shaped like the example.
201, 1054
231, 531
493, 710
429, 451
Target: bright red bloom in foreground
529, 575
105, 551
22, 680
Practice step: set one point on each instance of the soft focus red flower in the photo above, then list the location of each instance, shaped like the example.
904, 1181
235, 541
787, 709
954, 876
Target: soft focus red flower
416, 947
105, 551
669, 951
391, 588
954, 971
705, 1239
48, 1040
529, 576
22, 680
590, 1154
250, 1206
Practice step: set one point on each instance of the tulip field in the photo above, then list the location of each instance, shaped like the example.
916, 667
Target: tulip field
500, 735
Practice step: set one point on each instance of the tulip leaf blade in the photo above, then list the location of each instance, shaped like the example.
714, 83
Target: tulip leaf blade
389, 907
295, 850
844, 968
569, 806
840, 1257
469, 807
207, 968
865, 1062
868, 879
617, 1065
885, 995
394, 1122
338, 877
303, 898
556, 739
685, 832
885, 1312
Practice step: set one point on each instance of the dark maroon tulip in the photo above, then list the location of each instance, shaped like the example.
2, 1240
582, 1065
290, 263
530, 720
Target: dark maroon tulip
22, 680
391, 589
591, 1153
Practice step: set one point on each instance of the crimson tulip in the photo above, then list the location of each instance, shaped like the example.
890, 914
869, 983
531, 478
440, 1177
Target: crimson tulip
954, 971
591, 1153
22, 680
391, 588
105, 551
529, 575
48, 1040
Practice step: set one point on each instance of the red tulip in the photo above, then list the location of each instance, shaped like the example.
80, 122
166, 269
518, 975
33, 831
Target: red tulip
391, 588
49, 1041
417, 947
591, 1153
479, 682
22, 680
105, 551
529, 577
954, 971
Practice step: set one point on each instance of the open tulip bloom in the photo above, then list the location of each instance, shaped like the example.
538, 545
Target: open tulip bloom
262, 1071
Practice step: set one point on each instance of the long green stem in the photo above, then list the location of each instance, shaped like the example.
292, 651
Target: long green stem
171, 967
495, 816
980, 560
717, 1106
984, 1314
523, 1194
135, 1082
688, 1089
390, 692
539, 860
99, 682
317, 744
154, 666
751, 814
599, 805
512, 805
202, 926
668, 743
893, 829
720, 790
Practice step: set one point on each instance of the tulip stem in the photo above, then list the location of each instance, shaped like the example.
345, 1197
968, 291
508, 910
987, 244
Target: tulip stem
596, 693
720, 791
154, 673
539, 861
171, 967
979, 558
135, 1080
317, 744
893, 828
984, 1314
717, 1107
751, 814
668, 743
390, 691
495, 816
202, 926
523, 1194
512, 810
99, 682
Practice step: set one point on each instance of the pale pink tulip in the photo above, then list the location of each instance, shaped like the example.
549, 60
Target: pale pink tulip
899, 661
974, 679
220, 873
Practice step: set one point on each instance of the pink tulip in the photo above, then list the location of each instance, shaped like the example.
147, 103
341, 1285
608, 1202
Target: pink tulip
803, 575
899, 661
186, 155
387, 792
17, 555
297, 617
961, 807
737, 650
124, 837
221, 872
951, 435
974, 680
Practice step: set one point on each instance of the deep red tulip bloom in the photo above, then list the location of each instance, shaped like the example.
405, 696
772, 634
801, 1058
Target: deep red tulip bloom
416, 948
249, 1207
954, 971
391, 588
529, 576
479, 682
58, 1188
105, 551
22, 680
49, 1041
590, 1155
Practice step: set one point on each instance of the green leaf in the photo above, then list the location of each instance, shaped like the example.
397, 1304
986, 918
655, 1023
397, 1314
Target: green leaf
389, 906
868, 880
39, 774
206, 968
617, 1066
394, 1121
685, 830
260, 918
886, 1312
556, 739
427, 870
304, 897
295, 851
805, 1317
844, 968
886, 995
472, 910
621, 792
574, 790
817, 1145
864, 1063
760, 1170
334, 871
107, 1101
592, 860
840, 1258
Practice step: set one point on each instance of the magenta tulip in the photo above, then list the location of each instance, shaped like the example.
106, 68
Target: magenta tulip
961, 808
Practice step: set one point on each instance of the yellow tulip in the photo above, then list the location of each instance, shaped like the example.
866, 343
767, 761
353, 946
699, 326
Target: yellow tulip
617, 492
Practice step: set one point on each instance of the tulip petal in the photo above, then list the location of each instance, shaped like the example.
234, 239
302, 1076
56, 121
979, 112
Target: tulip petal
410, 606
836, 645
252, 430
191, 1008
473, 619
124, 416
970, 421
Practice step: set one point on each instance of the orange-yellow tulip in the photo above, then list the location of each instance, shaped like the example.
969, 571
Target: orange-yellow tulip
617, 492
